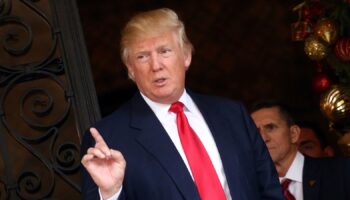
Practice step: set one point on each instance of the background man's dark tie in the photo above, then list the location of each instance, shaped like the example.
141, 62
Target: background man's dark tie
286, 193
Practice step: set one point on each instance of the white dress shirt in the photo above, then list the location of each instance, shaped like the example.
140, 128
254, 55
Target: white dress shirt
198, 124
295, 174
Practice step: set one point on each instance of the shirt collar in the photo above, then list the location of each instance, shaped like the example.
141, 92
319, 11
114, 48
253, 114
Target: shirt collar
295, 171
161, 109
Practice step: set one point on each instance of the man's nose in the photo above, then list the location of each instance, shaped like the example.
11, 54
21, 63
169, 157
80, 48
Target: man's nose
264, 135
156, 62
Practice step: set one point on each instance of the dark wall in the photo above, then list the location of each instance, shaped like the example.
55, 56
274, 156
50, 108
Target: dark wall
243, 50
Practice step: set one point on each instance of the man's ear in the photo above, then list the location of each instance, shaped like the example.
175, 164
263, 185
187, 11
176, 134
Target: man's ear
130, 71
188, 58
294, 133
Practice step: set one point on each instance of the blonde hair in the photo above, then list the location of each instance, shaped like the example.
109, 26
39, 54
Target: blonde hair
151, 23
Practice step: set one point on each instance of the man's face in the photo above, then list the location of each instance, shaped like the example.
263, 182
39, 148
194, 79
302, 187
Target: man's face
158, 66
276, 133
308, 143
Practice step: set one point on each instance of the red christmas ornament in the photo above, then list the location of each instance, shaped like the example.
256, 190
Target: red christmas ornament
342, 49
321, 82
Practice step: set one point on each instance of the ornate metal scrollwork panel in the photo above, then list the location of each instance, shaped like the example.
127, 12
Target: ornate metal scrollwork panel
39, 138
27, 36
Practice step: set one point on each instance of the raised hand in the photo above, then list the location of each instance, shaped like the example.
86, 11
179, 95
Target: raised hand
106, 166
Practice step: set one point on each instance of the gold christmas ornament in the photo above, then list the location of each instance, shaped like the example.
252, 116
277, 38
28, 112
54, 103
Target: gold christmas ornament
335, 103
327, 30
315, 49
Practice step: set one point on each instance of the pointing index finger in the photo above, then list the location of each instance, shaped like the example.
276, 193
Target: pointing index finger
100, 142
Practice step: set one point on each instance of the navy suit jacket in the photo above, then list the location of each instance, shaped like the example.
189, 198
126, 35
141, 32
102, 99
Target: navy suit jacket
156, 171
326, 178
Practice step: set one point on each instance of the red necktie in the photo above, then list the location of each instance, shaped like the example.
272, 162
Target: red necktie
204, 174
286, 193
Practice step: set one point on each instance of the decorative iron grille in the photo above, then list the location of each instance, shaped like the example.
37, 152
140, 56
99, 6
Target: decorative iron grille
47, 99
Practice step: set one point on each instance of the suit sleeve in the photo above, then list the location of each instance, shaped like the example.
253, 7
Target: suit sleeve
267, 178
89, 189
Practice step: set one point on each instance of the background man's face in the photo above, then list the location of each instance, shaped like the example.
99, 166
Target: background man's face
309, 144
275, 132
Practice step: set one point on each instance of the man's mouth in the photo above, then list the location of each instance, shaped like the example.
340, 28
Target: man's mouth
160, 81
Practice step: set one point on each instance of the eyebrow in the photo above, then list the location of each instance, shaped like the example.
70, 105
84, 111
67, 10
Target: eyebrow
157, 49
164, 46
271, 124
141, 52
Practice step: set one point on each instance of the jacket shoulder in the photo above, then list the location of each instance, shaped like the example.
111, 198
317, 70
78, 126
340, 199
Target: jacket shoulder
215, 101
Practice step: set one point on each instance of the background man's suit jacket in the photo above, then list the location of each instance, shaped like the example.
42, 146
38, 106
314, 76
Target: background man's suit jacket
156, 171
326, 178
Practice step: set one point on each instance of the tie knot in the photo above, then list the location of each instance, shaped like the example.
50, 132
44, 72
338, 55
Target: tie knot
176, 107
285, 184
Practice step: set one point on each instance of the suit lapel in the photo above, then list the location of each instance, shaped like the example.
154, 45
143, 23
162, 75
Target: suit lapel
156, 141
311, 179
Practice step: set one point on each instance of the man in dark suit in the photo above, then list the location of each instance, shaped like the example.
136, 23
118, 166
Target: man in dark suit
308, 178
166, 139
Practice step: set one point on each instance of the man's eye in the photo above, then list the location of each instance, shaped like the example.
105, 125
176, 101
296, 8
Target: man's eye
308, 147
165, 52
270, 126
141, 58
